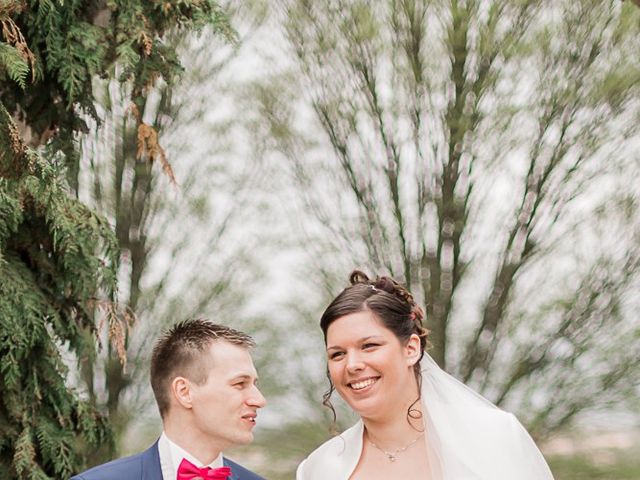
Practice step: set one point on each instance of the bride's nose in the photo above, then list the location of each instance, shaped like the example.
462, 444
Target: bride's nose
354, 363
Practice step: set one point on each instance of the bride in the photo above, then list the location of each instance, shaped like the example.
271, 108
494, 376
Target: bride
417, 421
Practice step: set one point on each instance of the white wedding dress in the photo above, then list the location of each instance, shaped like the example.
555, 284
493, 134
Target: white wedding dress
468, 438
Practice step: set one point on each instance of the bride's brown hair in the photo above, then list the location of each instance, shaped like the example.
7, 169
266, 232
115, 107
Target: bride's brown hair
392, 304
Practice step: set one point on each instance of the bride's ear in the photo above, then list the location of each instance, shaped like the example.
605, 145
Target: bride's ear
412, 350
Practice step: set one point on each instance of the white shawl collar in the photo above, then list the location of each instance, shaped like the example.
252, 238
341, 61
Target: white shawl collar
336, 459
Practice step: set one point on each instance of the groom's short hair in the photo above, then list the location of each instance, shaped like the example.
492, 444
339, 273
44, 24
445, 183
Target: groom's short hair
182, 352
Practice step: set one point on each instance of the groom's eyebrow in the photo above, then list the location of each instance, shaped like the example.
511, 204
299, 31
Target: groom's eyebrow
245, 376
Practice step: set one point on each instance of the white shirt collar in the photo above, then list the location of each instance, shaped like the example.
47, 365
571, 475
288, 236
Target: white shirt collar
172, 454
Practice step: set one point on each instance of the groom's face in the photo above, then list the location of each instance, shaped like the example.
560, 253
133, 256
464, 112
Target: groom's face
225, 406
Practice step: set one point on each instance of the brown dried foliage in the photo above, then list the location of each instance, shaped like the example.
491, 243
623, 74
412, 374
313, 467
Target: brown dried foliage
146, 42
118, 323
8, 8
144, 38
148, 146
13, 160
17, 145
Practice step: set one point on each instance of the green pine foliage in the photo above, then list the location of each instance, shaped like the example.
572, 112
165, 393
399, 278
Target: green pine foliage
14, 65
58, 259
56, 256
75, 41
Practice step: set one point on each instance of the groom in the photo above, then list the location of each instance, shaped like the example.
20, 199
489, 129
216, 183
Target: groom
204, 383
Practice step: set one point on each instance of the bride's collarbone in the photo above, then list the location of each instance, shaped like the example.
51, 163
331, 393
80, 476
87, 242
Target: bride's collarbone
376, 464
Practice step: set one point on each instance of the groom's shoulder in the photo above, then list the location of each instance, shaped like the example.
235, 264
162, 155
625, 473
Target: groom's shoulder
240, 472
127, 468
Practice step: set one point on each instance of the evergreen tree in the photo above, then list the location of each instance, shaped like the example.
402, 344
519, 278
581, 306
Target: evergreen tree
54, 254
58, 258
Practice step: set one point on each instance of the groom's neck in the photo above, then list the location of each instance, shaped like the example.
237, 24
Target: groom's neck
193, 440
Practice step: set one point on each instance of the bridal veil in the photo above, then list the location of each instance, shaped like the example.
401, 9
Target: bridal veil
470, 438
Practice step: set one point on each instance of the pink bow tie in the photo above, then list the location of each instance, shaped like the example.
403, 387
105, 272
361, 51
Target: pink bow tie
188, 471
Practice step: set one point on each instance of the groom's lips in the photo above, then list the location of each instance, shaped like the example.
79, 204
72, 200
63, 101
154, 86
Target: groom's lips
250, 417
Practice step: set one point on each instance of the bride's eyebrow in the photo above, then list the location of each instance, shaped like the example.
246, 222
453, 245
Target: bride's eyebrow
370, 337
361, 340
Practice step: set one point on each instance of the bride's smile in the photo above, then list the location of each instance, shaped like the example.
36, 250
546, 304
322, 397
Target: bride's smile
362, 384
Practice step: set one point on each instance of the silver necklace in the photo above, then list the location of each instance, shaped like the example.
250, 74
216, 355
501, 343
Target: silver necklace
393, 456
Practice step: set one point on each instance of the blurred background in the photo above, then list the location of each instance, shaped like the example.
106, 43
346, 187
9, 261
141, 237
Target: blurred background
484, 153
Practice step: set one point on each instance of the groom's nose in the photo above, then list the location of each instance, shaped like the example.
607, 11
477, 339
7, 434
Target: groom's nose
256, 399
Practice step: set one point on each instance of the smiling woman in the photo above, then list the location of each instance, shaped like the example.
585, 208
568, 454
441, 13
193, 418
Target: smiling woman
368, 365
416, 421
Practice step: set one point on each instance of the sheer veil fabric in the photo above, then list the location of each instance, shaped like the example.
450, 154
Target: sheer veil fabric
468, 438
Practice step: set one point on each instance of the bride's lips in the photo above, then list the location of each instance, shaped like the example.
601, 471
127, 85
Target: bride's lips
362, 385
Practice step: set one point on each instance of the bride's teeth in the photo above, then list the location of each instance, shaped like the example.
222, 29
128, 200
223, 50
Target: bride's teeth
364, 383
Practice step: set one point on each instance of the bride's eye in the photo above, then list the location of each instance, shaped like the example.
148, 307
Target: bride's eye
369, 345
335, 355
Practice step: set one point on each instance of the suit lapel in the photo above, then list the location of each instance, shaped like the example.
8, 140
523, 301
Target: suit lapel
151, 464
234, 475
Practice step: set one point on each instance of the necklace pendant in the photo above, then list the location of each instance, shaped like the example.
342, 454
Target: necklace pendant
393, 456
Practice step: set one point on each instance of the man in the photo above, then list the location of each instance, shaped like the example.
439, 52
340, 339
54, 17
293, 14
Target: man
204, 382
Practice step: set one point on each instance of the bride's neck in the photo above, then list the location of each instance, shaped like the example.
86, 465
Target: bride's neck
396, 428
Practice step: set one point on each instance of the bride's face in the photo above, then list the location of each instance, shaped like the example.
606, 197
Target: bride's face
369, 366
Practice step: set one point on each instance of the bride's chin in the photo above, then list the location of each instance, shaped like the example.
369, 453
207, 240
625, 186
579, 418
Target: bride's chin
364, 407
369, 414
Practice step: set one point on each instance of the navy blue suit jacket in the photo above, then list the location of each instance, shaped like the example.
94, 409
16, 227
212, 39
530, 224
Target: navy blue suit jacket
146, 466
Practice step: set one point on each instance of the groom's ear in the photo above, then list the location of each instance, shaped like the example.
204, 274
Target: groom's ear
412, 350
181, 391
